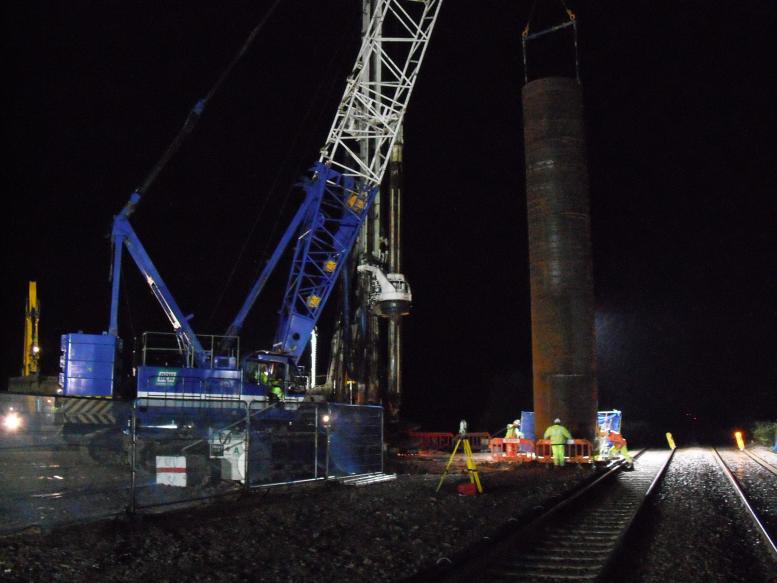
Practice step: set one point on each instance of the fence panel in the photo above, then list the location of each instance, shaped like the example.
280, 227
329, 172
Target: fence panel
187, 450
355, 440
62, 460
286, 443
72, 459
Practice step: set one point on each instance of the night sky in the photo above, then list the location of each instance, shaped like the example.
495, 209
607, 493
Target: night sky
681, 113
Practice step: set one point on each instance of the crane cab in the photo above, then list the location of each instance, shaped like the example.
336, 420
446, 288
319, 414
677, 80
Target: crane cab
274, 376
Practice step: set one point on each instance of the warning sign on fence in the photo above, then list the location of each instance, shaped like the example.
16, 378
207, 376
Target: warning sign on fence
171, 470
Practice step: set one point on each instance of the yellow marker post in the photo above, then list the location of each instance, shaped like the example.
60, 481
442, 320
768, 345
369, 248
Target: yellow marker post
740, 441
670, 440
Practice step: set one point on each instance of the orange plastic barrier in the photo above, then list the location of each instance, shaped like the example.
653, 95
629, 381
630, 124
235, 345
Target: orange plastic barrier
580, 451
517, 450
479, 441
433, 439
576, 451
445, 441
542, 451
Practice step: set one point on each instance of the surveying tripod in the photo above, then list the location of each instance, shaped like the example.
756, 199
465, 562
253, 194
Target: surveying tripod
472, 469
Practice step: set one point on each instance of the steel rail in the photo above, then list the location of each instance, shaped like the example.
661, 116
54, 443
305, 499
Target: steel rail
770, 544
478, 560
759, 460
608, 568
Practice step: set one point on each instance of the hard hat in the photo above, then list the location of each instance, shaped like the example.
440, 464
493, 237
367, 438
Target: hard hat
517, 422
557, 420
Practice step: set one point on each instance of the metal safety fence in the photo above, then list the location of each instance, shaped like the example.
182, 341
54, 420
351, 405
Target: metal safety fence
65, 459
286, 444
61, 462
183, 450
355, 440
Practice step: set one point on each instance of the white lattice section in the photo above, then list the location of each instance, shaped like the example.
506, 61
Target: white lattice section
370, 113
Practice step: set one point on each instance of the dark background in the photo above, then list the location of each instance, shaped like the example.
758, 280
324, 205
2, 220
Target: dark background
680, 110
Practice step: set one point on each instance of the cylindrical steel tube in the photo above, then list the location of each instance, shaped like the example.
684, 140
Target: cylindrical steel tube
562, 305
394, 334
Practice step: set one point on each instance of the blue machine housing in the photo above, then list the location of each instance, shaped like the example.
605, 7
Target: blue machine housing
87, 364
325, 227
173, 382
527, 424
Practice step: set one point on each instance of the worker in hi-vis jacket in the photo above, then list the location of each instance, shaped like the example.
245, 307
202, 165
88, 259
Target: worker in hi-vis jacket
619, 447
558, 435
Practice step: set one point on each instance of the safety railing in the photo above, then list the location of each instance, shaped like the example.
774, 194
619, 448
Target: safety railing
579, 451
67, 459
479, 440
286, 444
512, 449
184, 450
164, 348
354, 440
61, 465
542, 451
433, 440
444, 441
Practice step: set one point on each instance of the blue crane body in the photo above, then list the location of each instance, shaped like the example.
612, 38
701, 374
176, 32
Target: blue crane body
326, 225
181, 370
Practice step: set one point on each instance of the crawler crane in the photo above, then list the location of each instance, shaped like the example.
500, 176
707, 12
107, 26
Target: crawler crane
338, 192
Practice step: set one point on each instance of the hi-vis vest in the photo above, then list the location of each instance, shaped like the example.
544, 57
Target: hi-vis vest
616, 439
558, 434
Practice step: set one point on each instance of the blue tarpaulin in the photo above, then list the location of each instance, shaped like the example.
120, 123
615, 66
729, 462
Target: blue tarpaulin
609, 420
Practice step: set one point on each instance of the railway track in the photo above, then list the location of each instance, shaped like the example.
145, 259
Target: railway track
754, 480
574, 540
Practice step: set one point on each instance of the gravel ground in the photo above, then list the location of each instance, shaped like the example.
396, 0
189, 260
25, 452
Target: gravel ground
382, 532
697, 529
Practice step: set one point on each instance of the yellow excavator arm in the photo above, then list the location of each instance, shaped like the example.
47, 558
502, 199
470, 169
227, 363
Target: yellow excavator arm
31, 346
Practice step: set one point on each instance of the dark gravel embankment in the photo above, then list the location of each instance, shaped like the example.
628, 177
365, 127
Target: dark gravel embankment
382, 532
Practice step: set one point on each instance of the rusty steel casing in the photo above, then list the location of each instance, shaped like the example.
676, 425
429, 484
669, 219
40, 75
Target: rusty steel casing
561, 279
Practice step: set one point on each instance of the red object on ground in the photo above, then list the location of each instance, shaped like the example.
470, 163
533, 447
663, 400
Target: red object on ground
468, 489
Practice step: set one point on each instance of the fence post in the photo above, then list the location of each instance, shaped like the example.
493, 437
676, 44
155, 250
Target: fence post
328, 428
247, 445
133, 454
315, 444
382, 452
